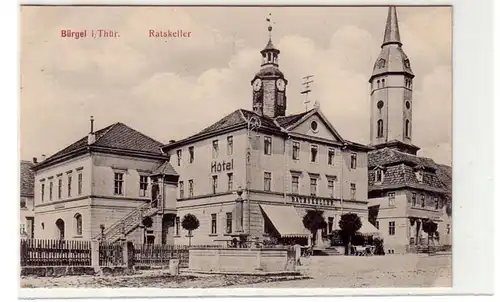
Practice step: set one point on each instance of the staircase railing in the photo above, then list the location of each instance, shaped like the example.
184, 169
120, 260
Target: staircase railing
114, 231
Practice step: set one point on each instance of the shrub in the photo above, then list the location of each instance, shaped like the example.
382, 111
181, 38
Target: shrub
379, 246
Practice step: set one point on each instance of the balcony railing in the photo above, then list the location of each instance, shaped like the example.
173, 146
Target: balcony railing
312, 200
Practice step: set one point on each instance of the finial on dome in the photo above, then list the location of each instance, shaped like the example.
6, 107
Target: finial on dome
269, 27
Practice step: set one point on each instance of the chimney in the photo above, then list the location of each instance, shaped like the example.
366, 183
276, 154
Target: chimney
43, 157
171, 141
91, 137
35, 161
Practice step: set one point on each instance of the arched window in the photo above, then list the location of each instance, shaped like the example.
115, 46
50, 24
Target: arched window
407, 128
60, 228
383, 83
378, 83
380, 128
78, 224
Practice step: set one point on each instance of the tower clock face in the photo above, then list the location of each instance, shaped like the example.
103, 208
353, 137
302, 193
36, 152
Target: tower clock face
280, 84
257, 84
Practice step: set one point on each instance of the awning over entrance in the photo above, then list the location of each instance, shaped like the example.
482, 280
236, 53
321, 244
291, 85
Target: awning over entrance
367, 228
286, 220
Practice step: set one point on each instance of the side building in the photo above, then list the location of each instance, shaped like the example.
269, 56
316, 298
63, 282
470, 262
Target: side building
27, 213
284, 165
113, 183
404, 190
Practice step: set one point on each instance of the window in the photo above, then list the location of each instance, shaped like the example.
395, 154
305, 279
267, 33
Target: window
314, 126
179, 157
267, 181
422, 201
229, 182
330, 225
42, 193
118, 183
380, 104
383, 83
413, 199
448, 229
377, 225
380, 128
78, 224
80, 183
378, 83
353, 191
229, 223
392, 199
51, 188
181, 189
392, 228
214, 223
314, 186
436, 202
267, 145
59, 188
314, 153
191, 154
143, 185
70, 179
214, 184
295, 184
378, 175
177, 225
23, 203
191, 188
229, 145
296, 150
407, 128
331, 157
215, 148
331, 187
354, 159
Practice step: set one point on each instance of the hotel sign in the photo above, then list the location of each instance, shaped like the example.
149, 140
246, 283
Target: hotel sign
218, 167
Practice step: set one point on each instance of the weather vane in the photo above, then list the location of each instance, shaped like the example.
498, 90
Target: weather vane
307, 88
270, 26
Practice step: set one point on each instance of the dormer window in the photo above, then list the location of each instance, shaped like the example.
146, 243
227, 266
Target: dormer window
379, 175
419, 173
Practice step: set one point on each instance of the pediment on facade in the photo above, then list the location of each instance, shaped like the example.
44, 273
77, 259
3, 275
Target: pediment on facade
315, 124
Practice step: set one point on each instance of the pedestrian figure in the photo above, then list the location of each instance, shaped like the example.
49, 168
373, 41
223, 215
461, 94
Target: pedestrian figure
298, 251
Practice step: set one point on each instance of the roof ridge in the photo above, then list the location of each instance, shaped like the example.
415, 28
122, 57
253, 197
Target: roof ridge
105, 132
240, 110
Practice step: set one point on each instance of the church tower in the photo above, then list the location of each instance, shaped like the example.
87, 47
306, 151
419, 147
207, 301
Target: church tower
269, 84
391, 93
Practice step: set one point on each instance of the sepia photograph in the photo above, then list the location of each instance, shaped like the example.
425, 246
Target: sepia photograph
235, 146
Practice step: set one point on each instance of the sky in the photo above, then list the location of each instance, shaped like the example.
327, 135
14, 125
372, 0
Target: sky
173, 88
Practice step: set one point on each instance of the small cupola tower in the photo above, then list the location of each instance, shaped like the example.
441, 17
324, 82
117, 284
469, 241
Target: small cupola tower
269, 84
391, 92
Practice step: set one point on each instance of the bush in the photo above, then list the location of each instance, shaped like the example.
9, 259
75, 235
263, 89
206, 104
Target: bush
379, 246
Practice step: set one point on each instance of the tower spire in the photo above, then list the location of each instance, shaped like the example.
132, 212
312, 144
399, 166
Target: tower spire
391, 35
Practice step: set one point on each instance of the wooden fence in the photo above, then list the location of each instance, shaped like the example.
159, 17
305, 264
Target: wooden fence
160, 255
111, 254
40, 252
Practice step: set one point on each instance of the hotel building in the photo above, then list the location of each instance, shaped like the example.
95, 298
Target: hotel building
284, 164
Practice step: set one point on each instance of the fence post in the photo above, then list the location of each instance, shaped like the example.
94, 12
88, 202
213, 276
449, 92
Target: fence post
125, 252
94, 252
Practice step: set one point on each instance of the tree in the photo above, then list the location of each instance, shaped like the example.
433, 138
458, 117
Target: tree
190, 223
349, 224
314, 221
429, 227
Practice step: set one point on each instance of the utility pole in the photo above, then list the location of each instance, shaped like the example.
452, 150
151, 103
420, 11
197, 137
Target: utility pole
307, 89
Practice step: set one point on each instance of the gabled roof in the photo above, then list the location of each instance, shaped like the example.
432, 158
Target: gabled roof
117, 136
164, 169
297, 119
27, 177
403, 176
289, 120
387, 156
238, 119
